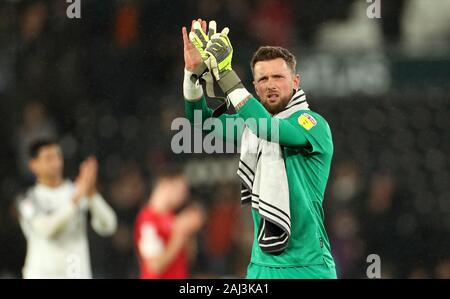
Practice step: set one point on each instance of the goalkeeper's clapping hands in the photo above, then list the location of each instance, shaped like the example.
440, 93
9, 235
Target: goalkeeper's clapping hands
193, 62
192, 56
214, 51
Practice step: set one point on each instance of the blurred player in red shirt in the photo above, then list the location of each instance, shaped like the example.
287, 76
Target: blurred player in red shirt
162, 237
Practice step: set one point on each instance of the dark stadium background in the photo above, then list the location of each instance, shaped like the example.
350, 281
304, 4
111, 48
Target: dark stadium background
110, 83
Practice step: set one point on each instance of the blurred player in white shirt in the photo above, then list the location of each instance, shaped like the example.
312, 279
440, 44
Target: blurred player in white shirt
53, 215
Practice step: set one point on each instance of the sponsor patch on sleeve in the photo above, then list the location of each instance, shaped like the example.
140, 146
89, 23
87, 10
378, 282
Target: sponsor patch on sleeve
307, 121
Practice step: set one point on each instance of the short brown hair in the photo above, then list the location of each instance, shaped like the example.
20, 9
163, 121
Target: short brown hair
269, 53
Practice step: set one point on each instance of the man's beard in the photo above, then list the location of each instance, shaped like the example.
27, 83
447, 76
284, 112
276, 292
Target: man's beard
278, 107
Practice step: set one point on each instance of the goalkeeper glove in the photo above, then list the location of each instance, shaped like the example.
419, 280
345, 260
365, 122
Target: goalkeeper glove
219, 54
200, 39
216, 52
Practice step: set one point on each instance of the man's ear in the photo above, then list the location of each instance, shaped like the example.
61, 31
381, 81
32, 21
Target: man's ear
296, 81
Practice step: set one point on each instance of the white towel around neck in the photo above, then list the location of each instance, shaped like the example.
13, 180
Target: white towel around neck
265, 184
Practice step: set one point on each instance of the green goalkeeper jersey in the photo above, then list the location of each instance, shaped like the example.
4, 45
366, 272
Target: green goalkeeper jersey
305, 138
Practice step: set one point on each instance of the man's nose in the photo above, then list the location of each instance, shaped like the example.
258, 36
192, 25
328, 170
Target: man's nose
270, 84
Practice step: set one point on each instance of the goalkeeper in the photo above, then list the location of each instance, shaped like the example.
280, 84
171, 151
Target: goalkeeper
285, 188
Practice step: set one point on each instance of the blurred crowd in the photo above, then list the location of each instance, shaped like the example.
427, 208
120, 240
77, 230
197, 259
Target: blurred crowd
109, 84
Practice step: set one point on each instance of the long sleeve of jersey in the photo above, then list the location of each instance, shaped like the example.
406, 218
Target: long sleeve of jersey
257, 118
104, 219
48, 225
230, 129
287, 132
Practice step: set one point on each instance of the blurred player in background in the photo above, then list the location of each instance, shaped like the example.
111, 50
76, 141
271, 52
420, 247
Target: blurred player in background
163, 237
283, 177
53, 215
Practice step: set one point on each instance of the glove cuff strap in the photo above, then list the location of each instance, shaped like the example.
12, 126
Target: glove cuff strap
229, 82
198, 72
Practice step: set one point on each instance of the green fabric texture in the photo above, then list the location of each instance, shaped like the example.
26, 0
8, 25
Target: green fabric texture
306, 141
